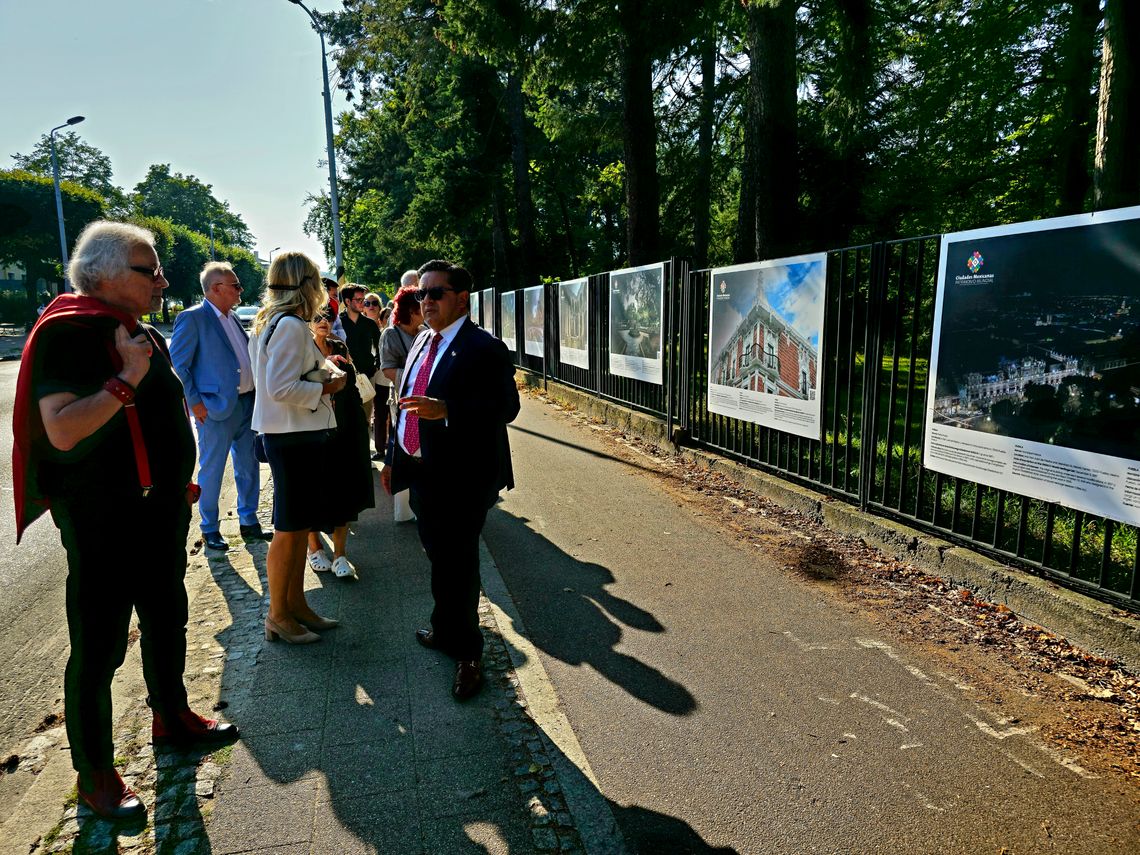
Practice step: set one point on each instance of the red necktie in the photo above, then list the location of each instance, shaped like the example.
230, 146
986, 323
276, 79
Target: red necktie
412, 423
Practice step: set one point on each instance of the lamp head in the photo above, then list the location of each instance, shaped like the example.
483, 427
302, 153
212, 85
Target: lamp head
75, 120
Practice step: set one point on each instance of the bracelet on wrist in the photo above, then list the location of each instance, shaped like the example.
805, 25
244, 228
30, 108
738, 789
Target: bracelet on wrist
121, 389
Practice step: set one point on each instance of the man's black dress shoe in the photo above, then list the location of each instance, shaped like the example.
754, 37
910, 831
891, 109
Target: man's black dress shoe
214, 540
468, 680
426, 638
255, 532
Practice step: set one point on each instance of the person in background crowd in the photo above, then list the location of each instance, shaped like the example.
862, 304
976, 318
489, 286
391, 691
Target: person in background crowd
334, 304
210, 352
410, 279
407, 322
294, 413
380, 412
450, 448
350, 490
102, 436
362, 336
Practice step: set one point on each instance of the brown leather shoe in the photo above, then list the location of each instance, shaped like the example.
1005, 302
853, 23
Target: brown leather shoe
468, 679
110, 797
426, 638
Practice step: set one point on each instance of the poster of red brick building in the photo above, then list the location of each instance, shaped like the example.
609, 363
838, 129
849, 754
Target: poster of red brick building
765, 323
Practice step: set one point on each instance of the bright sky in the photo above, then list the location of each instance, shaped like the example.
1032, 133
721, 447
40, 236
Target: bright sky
226, 90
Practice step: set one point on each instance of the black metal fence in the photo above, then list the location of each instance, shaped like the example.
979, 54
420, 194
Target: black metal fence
873, 362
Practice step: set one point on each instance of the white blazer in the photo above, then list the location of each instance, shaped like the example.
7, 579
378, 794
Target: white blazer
285, 403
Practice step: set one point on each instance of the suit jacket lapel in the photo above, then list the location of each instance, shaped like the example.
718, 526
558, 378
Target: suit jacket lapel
215, 322
443, 367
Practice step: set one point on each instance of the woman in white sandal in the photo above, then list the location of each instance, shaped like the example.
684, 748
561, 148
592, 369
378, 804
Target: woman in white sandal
347, 456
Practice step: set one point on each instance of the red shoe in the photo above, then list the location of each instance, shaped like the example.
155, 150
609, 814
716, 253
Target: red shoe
110, 797
187, 729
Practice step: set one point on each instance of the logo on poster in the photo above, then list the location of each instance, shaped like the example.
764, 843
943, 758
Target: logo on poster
723, 295
974, 264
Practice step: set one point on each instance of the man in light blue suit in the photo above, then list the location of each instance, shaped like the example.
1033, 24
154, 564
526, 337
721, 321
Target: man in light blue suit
210, 352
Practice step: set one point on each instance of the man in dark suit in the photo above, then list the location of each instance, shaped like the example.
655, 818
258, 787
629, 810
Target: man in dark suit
450, 448
210, 352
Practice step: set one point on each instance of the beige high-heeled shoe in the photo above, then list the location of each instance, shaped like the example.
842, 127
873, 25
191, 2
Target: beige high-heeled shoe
273, 631
320, 623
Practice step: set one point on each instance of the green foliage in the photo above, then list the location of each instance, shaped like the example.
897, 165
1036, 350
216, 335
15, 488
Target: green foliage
912, 118
186, 201
79, 162
29, 227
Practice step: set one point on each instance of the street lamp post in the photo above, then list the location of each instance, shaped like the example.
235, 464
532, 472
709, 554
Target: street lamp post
74, 120
328, 138
212, 256
271, 253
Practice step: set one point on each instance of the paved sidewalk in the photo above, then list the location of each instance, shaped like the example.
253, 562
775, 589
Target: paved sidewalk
354, 744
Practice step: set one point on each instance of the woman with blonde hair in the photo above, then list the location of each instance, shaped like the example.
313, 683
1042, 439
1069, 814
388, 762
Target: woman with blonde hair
293, 414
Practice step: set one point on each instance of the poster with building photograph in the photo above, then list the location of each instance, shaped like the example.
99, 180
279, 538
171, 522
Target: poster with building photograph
765, 327
473, 308
637, 297
507, 320
487, 303
1034, 381
534, 321
573, 323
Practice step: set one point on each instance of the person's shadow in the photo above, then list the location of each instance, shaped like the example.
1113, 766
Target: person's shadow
357, 740
590, 619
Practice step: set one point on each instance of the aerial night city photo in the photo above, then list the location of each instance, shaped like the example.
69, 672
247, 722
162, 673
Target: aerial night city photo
1040, 337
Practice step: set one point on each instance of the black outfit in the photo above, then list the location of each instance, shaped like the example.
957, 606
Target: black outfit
347, 488
363, 339
96, 501
466, 461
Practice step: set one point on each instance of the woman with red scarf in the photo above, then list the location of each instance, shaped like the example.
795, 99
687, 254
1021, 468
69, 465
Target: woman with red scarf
103, 440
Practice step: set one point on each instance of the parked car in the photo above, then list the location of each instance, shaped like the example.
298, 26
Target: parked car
246, 314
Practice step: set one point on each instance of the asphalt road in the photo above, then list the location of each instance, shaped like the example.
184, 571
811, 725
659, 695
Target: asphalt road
727, 706
33, 634
33, 628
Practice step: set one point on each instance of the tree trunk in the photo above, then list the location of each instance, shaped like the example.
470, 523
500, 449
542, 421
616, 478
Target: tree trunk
520, 165
568, 230
744, 242
772, 88
702, 186
1117, 172
846, 119
500, 239
1077, 54
639, 134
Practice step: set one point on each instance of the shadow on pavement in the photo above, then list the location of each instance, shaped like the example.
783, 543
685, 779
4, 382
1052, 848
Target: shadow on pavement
590, 618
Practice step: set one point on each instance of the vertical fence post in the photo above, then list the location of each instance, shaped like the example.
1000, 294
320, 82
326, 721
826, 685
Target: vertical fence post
872, 363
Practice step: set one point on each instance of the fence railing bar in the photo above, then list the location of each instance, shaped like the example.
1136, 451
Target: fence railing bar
1075, 551
1106, 553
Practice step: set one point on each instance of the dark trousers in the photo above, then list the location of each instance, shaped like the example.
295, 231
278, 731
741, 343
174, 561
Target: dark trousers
121, 555
449, 524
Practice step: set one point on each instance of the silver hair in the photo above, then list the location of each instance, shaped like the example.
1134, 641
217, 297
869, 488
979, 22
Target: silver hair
103, 251
209, 269
409, 277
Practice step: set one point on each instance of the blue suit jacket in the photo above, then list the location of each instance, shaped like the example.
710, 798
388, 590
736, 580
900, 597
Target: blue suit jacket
205, 361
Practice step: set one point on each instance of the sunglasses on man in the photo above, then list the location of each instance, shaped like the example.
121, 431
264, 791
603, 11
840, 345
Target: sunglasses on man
435, 293
155, 273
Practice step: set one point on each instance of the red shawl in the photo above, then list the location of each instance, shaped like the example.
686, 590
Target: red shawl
27, 427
